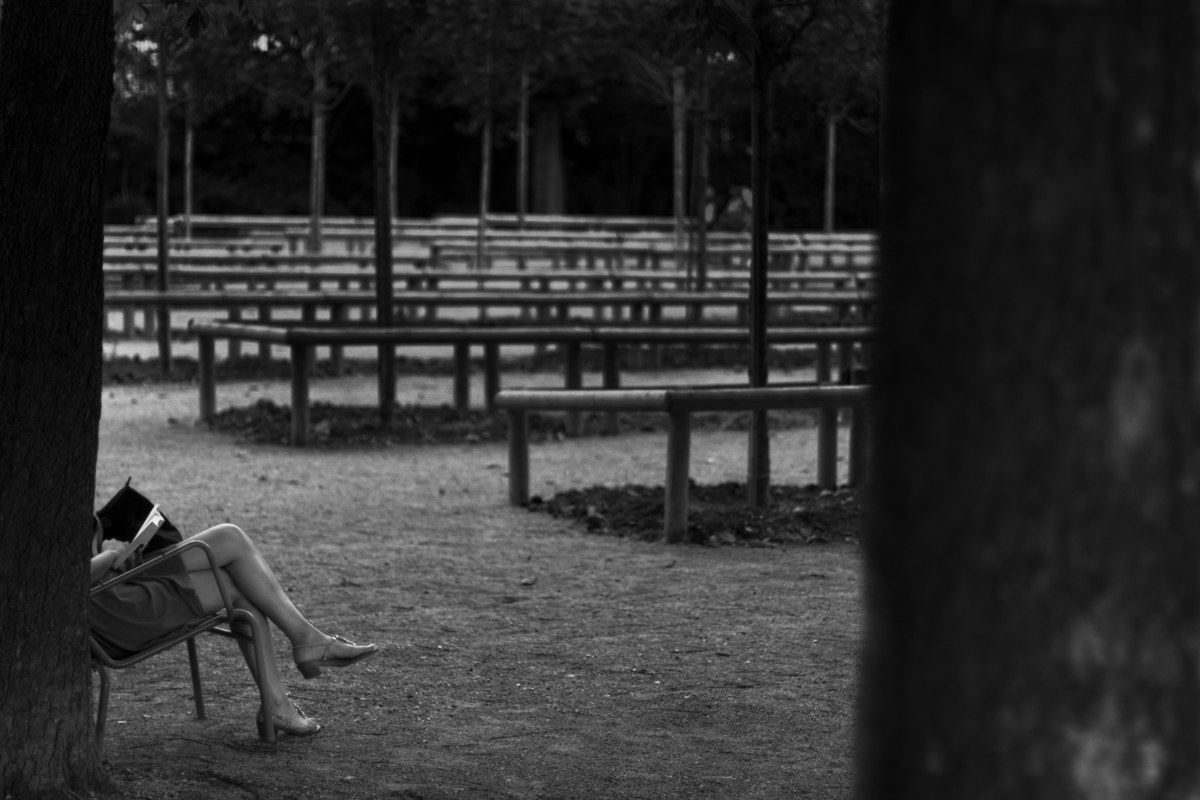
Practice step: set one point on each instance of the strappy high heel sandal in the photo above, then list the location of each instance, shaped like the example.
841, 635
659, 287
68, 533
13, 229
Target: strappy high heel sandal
295, 724
311, 657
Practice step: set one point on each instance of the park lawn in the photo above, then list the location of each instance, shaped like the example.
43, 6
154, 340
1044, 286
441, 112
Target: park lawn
523, 656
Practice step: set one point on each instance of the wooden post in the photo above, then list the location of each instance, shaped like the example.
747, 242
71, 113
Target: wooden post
491, 375
827, 427
300, 361
264, 347
573, 379
127, 284
679, 454
859, 437
337, 316
208, 378
235, 344
462, 376
518, 457
612, 380
655, 349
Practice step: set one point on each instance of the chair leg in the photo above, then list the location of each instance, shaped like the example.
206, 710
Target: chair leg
101, 707
198, 691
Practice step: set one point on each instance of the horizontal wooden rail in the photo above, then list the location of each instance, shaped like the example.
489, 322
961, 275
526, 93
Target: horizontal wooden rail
680, 404
302, 339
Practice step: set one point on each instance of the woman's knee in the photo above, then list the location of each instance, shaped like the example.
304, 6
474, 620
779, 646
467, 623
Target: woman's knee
231, 536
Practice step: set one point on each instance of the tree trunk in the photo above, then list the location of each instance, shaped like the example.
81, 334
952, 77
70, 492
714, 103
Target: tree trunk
382, 45
54, 112
316, 180
523, 151
394, 145
759, 461
485, 188
549, 182
679, 129
189, 167
164, 183
830, 169
700, 171
1032, 550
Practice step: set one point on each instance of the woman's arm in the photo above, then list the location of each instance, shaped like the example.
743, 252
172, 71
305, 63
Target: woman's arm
103, 561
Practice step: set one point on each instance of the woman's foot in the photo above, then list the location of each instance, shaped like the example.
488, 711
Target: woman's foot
294, 722
333, 652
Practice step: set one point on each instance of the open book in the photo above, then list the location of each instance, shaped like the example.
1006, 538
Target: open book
154, 521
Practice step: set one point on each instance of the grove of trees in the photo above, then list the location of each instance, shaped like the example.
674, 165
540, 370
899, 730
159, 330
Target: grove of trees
590, 80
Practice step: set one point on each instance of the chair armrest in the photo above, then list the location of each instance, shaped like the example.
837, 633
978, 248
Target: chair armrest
175, 550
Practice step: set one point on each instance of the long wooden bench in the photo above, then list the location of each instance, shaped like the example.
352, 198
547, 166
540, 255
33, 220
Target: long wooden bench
679, 404
303, 339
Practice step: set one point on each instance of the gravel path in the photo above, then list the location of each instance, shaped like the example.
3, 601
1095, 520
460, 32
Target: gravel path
523, 657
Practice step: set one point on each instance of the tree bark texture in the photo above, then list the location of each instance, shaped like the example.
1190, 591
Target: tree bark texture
1033, 558
56, 57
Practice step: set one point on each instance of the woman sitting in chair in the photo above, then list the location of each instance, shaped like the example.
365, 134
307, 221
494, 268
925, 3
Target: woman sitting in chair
154, 604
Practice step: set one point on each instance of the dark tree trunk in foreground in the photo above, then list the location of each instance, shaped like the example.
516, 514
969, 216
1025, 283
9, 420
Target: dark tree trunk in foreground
1033, 549
56, 59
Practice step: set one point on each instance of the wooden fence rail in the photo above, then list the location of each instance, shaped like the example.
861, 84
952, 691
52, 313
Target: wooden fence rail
303, 339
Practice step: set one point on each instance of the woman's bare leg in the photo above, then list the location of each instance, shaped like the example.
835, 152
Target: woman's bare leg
254, 579
269, 678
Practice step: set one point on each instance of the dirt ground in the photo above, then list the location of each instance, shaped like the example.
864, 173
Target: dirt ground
523, 656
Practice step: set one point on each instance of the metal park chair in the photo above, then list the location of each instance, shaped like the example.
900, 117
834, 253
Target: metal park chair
104, 657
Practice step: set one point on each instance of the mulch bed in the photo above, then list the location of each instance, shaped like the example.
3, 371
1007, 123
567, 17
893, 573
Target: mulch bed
717, 515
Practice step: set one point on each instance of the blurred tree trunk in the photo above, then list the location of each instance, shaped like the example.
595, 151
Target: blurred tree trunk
383, 45
679, 157
164, 183
316, 181
700, 173
189, 166
758, 472
830, 170
394, 145
54, 111
549, 181
1034, 544
523, 151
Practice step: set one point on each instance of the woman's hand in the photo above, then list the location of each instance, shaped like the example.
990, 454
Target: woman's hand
102, 562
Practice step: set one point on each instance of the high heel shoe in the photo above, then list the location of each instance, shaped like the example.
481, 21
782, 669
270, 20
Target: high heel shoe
311, 657
296, 724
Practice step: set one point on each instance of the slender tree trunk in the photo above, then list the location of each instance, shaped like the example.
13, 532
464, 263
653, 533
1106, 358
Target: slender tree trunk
316, 188
189, 167
382, 45
164, 183
830, 169
1032, 552
485, 188
523, 151
700, 171
394, 145
759, 460
54, 113
679, 131
549, 184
